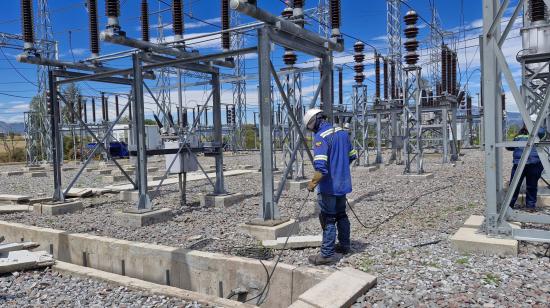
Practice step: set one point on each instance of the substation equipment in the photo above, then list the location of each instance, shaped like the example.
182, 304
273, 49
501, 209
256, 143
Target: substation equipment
181, 145
532, 98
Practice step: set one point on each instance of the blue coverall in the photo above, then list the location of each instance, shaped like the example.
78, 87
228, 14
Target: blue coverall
531, 173
333, 153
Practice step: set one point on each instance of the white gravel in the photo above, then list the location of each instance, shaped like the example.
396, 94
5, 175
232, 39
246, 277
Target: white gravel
433, 275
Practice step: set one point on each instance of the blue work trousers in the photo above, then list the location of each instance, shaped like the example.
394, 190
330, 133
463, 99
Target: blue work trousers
531, 174
333, 220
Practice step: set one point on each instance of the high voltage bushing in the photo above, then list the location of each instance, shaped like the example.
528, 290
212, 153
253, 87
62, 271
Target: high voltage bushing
449, 71
411, 32
93, 110
335, 17
537, 10
377, 75
112, 11
226, 44
94, 29
80, 107
298, 12
27, 19
177, 19
386, 78
289, 57
444, 82
454, 88
359, 57
117, 110
144, 21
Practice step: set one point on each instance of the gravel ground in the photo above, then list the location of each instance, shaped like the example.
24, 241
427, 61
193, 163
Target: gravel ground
47, 288
427, 213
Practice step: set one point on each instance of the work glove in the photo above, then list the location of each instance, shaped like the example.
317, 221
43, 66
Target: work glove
317, 177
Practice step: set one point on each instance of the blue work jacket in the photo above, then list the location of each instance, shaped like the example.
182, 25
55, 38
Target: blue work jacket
518, 151
333, 153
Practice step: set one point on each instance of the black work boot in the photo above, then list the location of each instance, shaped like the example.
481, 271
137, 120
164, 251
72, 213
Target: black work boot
341, 249
320, 260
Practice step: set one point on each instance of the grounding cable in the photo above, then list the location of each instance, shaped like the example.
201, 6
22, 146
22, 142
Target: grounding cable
263, 294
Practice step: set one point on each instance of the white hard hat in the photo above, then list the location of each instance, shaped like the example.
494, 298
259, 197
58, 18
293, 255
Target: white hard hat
533, 117
310, 115
346, 125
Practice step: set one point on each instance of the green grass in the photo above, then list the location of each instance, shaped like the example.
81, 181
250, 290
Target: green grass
366, 265
462, 261
492, 279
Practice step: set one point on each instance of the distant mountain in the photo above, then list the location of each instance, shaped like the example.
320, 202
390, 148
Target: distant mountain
514, 118
17, 128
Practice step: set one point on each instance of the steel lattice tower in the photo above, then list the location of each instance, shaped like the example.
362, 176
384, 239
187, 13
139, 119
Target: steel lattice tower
395, 58
323, 18
45, 34
163, 80
239, 86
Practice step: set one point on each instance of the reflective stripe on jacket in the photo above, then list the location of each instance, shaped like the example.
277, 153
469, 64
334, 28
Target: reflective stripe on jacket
333, 153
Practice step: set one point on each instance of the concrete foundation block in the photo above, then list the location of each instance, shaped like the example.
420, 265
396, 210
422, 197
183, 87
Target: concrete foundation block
340, 289
58, 208
367, 168
68, 168
299, 185
37, 174
145, 218
294, 242
414, 176
276, 185
15, 208
104, 172
15, 198
109, 179
12, 173
79, 193
34, 168
152, 169
221, 201
270, 232
90, 169
468, 240
133, 195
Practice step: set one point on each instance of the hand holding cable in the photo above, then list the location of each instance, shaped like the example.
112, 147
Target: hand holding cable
317, 177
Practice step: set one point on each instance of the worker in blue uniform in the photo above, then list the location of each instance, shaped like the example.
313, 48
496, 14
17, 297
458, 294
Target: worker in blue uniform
531, 172
333, 154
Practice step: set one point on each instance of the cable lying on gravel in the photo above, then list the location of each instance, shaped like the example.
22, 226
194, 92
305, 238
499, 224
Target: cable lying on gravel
415, 200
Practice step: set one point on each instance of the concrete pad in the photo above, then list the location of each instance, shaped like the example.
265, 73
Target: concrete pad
300, 304
113, 178
24, 260
221, 201
467, 240
475, 221
58, 208
40, 200
266, 232
37, 174
133, 283
14, 198
152, 169
12, 173
118, 172
133, 196
79, 193
103, 172
15, 208
144, 218
340, 289
34, 168
367, 168
298, 185
90, 169
68, 168
294, 242
276, 185
415, 176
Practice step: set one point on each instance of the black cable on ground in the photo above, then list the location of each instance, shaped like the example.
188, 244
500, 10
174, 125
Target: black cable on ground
263, 294
375, 228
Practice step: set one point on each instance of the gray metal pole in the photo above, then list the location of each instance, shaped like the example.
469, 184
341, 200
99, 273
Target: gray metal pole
445, 132
326, 70
144, 202
268, 209
57, 146
378, 138
218, 138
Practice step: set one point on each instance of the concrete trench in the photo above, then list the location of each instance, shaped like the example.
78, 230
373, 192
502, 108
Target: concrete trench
203, 272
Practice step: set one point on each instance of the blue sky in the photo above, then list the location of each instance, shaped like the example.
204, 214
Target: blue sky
365, 19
